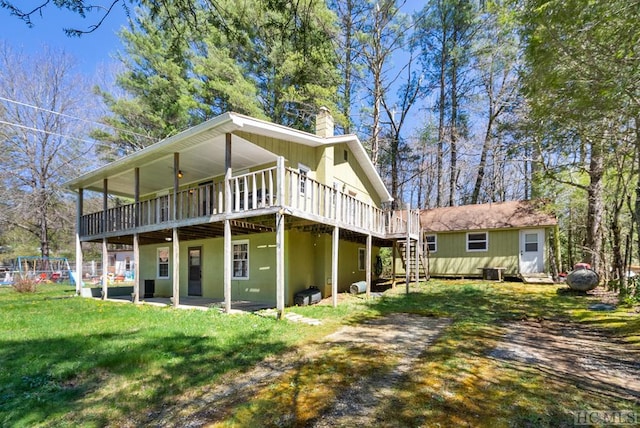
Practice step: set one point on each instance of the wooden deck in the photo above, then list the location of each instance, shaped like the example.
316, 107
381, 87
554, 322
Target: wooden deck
246, 197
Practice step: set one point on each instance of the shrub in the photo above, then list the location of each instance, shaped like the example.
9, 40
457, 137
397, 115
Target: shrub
24, 286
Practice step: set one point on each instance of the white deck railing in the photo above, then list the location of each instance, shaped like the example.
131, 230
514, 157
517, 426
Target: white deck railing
250, 192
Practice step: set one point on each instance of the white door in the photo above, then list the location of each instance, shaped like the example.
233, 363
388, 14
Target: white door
532, 251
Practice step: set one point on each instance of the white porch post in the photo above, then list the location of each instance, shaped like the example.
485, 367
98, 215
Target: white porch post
227, 266
280, 264
227, 225
280, 241
174, 237
136, 238
79, 209
176, 186
418, 252
136, 197
368, 266
407, 254
105, 254
136, 268
335, 238
105, 265
394, 249
176, 267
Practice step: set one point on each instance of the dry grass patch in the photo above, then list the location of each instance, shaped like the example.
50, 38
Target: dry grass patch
304, 393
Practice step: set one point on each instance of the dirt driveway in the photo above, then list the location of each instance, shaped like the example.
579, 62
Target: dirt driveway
564, 352
568, 352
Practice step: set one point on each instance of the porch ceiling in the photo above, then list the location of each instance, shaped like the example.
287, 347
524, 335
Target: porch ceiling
198, 162
202, 154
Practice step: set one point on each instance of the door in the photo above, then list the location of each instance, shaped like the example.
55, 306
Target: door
195, 271
531, 251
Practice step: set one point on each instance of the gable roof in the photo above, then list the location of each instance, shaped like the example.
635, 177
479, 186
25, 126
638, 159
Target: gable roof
502, 215
210, 136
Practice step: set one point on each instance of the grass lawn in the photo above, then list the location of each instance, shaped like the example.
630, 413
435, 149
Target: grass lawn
68, 361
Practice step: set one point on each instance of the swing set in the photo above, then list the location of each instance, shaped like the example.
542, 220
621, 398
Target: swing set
39, 269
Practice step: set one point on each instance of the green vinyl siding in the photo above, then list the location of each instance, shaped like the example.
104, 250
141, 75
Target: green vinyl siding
307, 263
260, 286
308, 258
350, 174
453, 259
293, 153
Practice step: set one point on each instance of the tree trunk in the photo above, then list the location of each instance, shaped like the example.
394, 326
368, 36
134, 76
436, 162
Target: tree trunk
453, 177
486, 146
593, 242
636, 211
348, 66
441, 118
378, 61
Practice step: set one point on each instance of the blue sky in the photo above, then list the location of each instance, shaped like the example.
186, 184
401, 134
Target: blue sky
90, 50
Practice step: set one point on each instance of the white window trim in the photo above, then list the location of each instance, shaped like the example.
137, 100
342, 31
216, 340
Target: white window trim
486, 240
435, 242
233, 274
168, 253
364, 258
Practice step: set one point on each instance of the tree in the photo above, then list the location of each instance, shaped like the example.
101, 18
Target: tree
495, 57
573, 52
397, 115
98, 10
351, 16
42, 142
272, 60
156, 77
382, 36
446, 31
293, 60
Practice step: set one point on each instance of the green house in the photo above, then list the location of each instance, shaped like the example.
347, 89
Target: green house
511, 238
238, 209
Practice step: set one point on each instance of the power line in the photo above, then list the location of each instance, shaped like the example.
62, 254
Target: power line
75, 117
29, 128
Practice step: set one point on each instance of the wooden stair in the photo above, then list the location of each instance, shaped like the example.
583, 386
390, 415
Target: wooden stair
422, 267
536, 278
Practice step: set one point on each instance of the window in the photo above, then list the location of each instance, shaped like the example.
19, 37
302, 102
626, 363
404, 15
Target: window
432, 243
362, 259
304, 171
163, 263
346, 156
477, 241
531, 242
240, 259
127, 263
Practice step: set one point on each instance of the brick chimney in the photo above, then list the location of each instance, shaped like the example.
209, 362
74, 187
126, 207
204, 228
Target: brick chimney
324, 123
